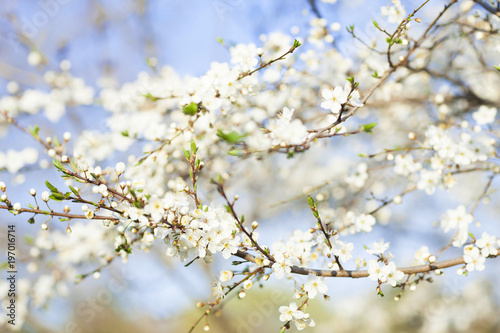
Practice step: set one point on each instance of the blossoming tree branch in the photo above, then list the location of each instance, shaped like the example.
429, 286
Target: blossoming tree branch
271, 125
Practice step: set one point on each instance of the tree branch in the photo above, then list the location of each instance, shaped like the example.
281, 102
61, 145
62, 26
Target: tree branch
356, 274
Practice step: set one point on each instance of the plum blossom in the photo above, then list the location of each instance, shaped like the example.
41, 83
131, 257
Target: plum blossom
487, 244
333, 99
314, 285
484, 115
342, 250
474, 260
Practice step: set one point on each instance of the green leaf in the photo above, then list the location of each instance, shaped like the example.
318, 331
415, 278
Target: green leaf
58, 164
231, 137
29, 239
310, 201
125, 133
375, 75
296, 43
189, 263
187, 154
194, 149
51, 187
137, 204
375, 24
34, 130
190, 109
235, 152
220, 40
350, 79
151, 97
389, 40
362, 155
497, 68
368, 127
57, 196
66, 195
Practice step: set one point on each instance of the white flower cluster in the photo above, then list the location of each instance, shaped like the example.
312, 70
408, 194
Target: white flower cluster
299, 318
335, 98
14, 160
385, 274
287, 131
395, 13
197, 232
457, 219
475, 256
448, 153
66, 90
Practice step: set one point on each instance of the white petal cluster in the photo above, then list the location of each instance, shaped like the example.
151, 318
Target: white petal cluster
385, 274
457, 219
292, 313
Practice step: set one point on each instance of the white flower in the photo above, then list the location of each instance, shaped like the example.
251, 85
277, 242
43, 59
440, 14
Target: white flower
217, 291
290, 312
484, 115
454, 218
45, 196
378, 247
17, 206
285, 130
120, 168
83, 166
342, 250
395, 13
376, 272
358, 179
315, 285
392, 274
428, 181
155, 208
225, 276
474, 260
422, 255
304, 322
487, 245
280, 267
364, 223
89, 214
355, 99
247, 284
244, 56
404, 165
333, 99
35, 58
